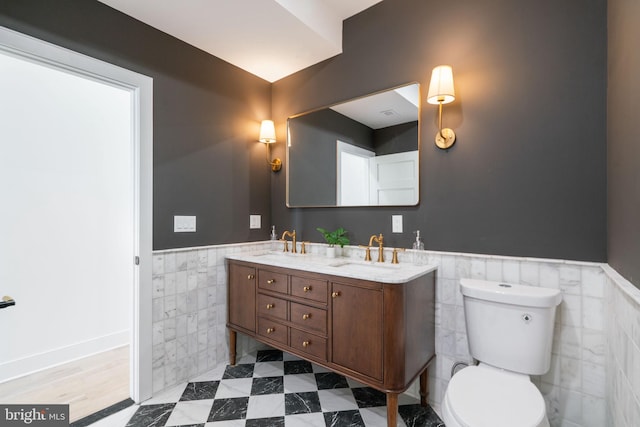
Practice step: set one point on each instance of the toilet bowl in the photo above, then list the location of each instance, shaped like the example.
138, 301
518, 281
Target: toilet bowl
484, 396
509, 330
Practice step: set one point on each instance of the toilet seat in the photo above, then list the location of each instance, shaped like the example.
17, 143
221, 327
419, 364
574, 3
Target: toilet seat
483, 396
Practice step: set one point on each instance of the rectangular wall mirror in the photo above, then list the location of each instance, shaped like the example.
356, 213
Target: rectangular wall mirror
362, 152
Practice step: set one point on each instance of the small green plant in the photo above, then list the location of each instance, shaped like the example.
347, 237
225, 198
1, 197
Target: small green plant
337, 237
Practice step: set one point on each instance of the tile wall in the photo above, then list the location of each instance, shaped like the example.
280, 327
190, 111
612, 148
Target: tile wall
622, 328
574, 386
189, 312
190, 338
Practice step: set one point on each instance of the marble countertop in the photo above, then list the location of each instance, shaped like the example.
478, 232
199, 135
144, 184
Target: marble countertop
345, 267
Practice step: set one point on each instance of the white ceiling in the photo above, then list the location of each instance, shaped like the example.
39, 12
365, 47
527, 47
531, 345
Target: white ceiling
269, 38
384, 109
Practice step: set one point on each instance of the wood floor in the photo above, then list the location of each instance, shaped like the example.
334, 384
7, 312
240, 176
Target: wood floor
87, 385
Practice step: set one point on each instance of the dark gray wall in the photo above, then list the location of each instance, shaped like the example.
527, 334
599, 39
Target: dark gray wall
207, 161
623, 139
527, 175
396, 139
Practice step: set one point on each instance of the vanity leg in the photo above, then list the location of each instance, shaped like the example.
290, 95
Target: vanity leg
424, 391
232, 347
392, 409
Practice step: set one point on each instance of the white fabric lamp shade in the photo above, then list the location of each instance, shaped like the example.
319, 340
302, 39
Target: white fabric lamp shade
441, 86
267, 132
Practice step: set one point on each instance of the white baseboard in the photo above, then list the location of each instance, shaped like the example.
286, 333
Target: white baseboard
48, 359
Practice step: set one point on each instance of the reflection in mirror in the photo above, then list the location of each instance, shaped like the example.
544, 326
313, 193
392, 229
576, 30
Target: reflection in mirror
362, 152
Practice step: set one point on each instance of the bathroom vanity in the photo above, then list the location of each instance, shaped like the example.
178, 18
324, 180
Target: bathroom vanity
369, 321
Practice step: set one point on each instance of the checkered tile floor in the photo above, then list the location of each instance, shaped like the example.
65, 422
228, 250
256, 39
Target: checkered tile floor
272, 389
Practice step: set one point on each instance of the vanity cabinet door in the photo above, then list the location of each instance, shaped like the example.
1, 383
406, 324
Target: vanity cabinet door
357, 328
242, 296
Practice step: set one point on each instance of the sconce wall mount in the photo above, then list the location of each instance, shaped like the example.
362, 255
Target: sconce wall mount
441, 92
268, 136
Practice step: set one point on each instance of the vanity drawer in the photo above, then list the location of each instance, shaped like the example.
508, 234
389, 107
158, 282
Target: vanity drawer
309, 317
312, 289
272, 306
309, 343
271, 281
272, 330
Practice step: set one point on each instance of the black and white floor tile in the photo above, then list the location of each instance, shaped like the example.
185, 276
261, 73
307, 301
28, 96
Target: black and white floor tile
273, 389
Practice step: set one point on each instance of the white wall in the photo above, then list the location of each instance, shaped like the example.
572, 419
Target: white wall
66, 183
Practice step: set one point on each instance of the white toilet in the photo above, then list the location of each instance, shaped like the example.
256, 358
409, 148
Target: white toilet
510, 333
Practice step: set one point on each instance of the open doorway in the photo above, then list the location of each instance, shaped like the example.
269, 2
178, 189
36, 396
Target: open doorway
75, 153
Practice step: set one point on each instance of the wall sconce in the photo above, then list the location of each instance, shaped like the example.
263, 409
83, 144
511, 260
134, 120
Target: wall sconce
441, 92
268, 136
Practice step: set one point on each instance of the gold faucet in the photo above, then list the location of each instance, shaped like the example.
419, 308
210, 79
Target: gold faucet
378, 239
394, 258
367, 253
291, 234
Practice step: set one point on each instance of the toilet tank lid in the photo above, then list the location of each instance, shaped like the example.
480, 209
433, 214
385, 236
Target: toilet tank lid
510, 293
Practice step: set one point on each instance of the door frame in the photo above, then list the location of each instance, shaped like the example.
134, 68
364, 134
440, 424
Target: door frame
343, 147
141, 89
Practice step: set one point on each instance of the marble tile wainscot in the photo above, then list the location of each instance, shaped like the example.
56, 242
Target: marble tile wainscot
574, 387
622, 329
189, 312
595, 374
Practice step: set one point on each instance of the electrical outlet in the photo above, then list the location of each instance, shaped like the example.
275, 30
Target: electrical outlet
396, 223
255, 221
184, 224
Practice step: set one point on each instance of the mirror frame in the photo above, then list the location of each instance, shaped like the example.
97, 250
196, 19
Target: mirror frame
419, 143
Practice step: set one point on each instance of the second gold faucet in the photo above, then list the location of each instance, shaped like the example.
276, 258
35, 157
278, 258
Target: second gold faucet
379, 239
291, 234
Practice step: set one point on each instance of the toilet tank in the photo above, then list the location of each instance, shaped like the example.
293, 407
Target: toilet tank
510, 326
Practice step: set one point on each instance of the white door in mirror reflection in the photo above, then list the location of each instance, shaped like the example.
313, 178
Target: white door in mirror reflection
394, 179
366, 179
353, 174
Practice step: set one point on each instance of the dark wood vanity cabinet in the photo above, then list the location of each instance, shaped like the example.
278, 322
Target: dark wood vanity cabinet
381, 334
356, 317
242, 297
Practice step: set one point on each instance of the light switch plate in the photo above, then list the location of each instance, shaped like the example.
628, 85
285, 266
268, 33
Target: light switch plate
255, 221
396, 223
184, 224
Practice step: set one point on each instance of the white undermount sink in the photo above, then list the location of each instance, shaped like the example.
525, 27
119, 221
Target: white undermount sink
367, 266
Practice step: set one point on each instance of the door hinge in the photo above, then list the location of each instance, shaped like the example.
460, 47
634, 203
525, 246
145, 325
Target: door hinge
137, 260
